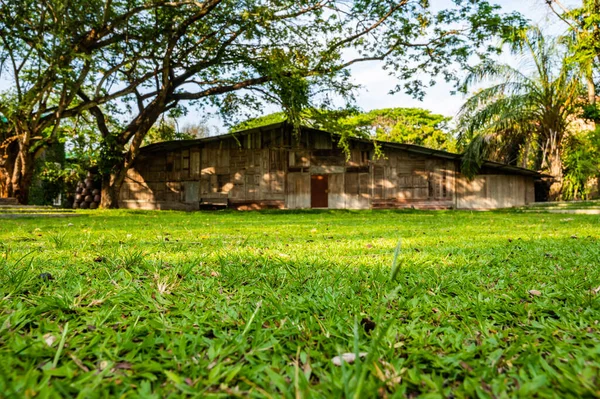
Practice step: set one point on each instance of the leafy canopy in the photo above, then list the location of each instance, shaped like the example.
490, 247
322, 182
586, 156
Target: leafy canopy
583, 41
401, 125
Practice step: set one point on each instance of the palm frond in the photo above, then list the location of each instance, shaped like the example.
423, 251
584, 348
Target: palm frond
475, 154
487, 72
502, 120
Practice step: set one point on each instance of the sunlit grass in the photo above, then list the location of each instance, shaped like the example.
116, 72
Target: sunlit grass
257, 304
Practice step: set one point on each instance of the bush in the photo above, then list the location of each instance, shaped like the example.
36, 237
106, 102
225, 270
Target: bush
581, 157
53, 176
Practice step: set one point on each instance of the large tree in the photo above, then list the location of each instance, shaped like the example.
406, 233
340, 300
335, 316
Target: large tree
405, 125
583, 38
50, 50
526, 113
148, 57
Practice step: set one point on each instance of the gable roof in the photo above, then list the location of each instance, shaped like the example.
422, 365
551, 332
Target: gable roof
411, 148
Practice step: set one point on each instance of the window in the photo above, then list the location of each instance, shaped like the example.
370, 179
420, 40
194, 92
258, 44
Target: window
365, 157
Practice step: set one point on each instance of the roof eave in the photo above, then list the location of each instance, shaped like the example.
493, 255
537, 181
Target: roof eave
406, 147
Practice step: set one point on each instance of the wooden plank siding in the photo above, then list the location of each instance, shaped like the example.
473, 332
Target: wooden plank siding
273, 169
494, 191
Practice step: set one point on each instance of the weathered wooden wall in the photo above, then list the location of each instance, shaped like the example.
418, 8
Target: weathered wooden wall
494, 191
273, 169
406, 179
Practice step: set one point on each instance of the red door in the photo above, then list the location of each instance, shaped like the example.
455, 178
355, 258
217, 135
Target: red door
319, 185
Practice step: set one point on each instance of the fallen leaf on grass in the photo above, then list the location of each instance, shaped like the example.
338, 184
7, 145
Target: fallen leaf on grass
534, 293
214, 274
49, 339
79, 363
348, 358
388, 375
466, 366
596, 290
95, 302
123, 366
212, 365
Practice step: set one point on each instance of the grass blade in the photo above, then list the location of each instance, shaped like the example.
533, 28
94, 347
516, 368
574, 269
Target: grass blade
61, 345
395, 264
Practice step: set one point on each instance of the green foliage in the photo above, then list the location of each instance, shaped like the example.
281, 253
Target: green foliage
405, 125
84, 148
400, 125
5, 131
584, 26
591, 112
530, 109
222, 304
583, 41
582, 162
264, 120
54, 175
166, 130
110, 155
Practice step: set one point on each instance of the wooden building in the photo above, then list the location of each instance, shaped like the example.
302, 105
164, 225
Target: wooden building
271, 167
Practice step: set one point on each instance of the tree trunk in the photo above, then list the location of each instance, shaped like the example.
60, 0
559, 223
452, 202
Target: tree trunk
591, 86
134, 133
111, 187
526, 151
22, 175
9, 152
555, 166
7, 165
591, 90
4, 182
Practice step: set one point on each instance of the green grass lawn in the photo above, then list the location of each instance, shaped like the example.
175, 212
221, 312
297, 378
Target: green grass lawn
225, 304
591, 204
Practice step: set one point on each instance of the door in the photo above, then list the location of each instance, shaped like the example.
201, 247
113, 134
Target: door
191, 190
319, 185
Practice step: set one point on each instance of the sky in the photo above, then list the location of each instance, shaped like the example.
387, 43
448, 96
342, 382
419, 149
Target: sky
376, 83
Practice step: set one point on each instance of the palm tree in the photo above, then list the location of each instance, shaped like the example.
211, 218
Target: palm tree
527, 113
